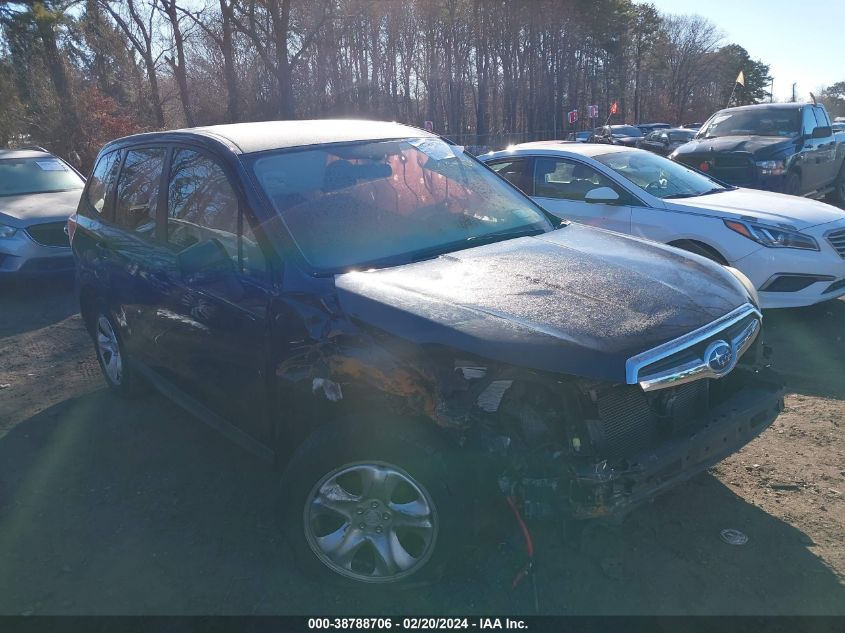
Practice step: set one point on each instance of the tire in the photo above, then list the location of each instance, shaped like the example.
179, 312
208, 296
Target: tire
121, 378
793, 184
700, 249
839, 186
354, 489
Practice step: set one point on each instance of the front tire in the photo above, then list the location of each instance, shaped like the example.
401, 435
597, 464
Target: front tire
373, 504
839, 186
793, 184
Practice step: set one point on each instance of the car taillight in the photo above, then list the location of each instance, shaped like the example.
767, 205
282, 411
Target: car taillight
70, 229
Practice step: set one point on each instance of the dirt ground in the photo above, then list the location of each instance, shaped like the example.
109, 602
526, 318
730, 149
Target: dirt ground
114, 507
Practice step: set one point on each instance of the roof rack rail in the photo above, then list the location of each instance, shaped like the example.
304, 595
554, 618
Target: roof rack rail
36, 148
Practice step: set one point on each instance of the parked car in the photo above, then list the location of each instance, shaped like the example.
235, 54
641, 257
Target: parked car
583, 136
408, 335
692, 126
38, 191
627, 135
664, 142
783, 147
645, 128
792, 250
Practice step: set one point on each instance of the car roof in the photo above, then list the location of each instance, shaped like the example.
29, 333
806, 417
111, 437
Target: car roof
245, 138
23, 153
551, 148
766, 106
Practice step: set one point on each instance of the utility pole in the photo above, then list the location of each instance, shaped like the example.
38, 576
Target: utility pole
772, 92
793, 92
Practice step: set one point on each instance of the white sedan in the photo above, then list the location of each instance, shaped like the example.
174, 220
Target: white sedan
792, 249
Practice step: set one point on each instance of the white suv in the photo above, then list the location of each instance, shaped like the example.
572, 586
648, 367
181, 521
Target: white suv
792, 249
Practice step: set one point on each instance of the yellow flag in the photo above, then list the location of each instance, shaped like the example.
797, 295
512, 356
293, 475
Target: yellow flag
740, 78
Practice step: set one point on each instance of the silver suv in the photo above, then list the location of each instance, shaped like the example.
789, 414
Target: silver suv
38, 191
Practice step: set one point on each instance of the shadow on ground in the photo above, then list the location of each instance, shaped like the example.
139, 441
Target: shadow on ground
114, 508
54, 297
809, 348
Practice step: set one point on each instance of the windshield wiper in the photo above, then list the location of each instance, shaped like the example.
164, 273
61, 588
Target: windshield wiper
500, 235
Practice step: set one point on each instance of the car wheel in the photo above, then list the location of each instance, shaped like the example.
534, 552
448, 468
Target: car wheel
839, 186
698, 248
365, 505
111, 354
793, 184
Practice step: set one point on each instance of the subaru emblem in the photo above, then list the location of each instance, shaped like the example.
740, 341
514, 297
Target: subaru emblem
719, 357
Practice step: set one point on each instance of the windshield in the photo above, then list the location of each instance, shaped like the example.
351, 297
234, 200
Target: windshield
625, 130
391, 202
683, 137
19, 176
659, 176
756, 122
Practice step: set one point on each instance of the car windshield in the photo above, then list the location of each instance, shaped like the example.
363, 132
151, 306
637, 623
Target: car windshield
659, 176
20, 176
681, 136
383, 203
625, 130
756, 122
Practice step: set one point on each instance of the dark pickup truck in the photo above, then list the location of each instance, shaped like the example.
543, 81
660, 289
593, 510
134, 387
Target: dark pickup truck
784, 147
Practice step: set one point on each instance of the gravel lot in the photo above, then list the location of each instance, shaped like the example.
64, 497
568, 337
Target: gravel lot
114, 507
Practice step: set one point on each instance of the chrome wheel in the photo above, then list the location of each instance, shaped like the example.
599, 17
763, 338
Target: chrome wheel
108, 350
371, 522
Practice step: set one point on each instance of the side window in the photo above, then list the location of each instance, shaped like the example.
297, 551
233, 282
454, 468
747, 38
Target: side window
821, 117
101, 183
137, 190
569, 180
809, 120
514, 171
202, 206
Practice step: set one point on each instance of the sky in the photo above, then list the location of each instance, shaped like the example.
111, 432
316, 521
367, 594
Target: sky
803, 41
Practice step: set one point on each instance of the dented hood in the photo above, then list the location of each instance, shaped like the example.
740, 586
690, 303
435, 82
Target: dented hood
576, 301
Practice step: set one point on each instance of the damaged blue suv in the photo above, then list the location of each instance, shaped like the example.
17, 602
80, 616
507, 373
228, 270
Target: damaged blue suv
407, 335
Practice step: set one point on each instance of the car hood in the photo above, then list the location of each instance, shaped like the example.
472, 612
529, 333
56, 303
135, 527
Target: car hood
766, 206
35, 208
576, 301
760, 146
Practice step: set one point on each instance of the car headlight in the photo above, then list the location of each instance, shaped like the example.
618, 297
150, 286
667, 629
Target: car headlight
7, 231
771, 167
772, 236
746, 282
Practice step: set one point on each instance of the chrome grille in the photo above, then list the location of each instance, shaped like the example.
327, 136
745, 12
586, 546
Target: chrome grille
49, 234
837, 241
688, 357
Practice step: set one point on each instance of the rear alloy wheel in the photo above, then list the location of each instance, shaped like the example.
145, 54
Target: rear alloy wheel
112, 358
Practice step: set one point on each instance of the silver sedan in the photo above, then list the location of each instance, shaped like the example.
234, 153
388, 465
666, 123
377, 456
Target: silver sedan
38, 191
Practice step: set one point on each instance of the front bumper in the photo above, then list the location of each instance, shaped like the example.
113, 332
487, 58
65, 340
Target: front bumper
765, 265
21, 256
600, 491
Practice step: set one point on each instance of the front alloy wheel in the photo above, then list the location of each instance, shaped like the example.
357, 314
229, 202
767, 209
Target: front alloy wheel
371, 522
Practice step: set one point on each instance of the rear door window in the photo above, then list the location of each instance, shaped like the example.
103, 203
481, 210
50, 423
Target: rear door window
137, 190
101, 184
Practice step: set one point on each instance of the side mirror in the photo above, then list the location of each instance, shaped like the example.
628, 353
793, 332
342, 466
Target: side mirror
821, 132
601, 195
204, 259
